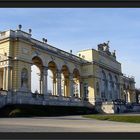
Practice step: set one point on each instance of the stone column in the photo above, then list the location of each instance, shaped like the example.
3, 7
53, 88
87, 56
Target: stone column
118, 90
8, 83
71, 85
54, 86
4, 78
81, 90
128, 96
79, 95
45, 84
59, 83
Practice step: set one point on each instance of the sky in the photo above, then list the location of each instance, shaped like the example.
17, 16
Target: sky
83, 28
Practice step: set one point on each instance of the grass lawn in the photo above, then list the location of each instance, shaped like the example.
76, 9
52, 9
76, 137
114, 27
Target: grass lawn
118, 118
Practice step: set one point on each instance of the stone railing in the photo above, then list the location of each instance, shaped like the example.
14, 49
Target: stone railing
25, 35
56, 50
30, 98
4, 34
17, 33
129, 78
22, 34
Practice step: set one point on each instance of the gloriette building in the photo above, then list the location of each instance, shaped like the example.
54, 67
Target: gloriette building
90, 78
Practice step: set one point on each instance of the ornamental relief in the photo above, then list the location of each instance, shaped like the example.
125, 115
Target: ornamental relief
25, 51
3, 57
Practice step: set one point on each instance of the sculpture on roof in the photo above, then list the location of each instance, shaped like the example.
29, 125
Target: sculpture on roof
104, 47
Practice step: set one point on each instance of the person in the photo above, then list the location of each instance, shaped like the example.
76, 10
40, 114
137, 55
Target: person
118, 110
36, 91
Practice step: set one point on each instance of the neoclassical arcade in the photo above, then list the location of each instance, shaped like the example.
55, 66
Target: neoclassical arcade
35, 72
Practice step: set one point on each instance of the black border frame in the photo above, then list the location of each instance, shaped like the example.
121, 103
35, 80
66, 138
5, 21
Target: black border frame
70, 4
71, 135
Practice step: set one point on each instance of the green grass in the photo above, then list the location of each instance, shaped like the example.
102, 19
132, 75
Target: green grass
117, 118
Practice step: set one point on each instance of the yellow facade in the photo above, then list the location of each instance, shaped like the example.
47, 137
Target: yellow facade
88, 76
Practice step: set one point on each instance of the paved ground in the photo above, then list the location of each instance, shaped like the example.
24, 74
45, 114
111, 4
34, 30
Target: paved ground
64, 124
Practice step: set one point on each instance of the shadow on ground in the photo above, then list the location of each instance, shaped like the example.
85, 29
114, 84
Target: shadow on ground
24, 110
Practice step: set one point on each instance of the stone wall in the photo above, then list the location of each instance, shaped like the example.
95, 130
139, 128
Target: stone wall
110, 108
36, 99
136, 108
3, 98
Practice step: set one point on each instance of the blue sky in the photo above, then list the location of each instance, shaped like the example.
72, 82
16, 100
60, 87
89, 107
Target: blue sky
82, 28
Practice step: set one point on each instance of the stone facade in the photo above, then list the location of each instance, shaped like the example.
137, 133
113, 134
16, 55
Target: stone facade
93, 76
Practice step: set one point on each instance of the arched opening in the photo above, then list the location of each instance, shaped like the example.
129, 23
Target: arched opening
104, 87
36, 75
127, 97
52, 78
111, 87
128, 94
50, 82
76, 83
65, 88
24, 79
124, 92
62, 84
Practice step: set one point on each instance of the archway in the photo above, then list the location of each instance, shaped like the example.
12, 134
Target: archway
52, 78
76, 83
36, 75
65, 88
50, 82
